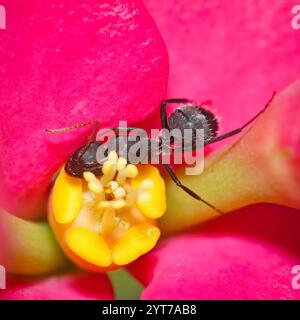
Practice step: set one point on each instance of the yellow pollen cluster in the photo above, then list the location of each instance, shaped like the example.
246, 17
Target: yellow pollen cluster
110, 220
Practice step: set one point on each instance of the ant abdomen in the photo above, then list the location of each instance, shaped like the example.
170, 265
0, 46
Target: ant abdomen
191, 116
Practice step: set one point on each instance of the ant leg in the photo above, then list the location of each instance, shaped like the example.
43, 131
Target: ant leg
163, 113
173, 176
91, 138
236, 131
177, 100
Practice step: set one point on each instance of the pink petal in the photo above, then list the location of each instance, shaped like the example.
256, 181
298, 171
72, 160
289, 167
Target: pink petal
235, 53
65, 63
66, 287
247, 255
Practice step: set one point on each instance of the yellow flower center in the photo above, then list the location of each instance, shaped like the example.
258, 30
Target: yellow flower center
108, 221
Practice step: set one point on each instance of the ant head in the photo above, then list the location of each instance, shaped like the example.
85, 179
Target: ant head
84, 159
191, 116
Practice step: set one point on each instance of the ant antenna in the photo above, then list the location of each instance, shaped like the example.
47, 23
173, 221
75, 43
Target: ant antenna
91, 138
76, 126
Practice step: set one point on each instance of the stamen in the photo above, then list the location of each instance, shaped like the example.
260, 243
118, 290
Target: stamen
121, 177
89, 198
132, 171
119, 193
107, 167
113, 185
89, 176
119, 204
121, 164
117, 215
113, 156
93, 183
95, 186
108, 220
116, 204
109, 170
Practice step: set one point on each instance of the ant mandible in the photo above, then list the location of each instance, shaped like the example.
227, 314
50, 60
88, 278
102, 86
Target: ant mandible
188, 115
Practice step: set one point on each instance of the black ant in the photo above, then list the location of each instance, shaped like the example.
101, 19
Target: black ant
188, 115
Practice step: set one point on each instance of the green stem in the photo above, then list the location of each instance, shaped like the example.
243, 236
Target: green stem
29, 248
